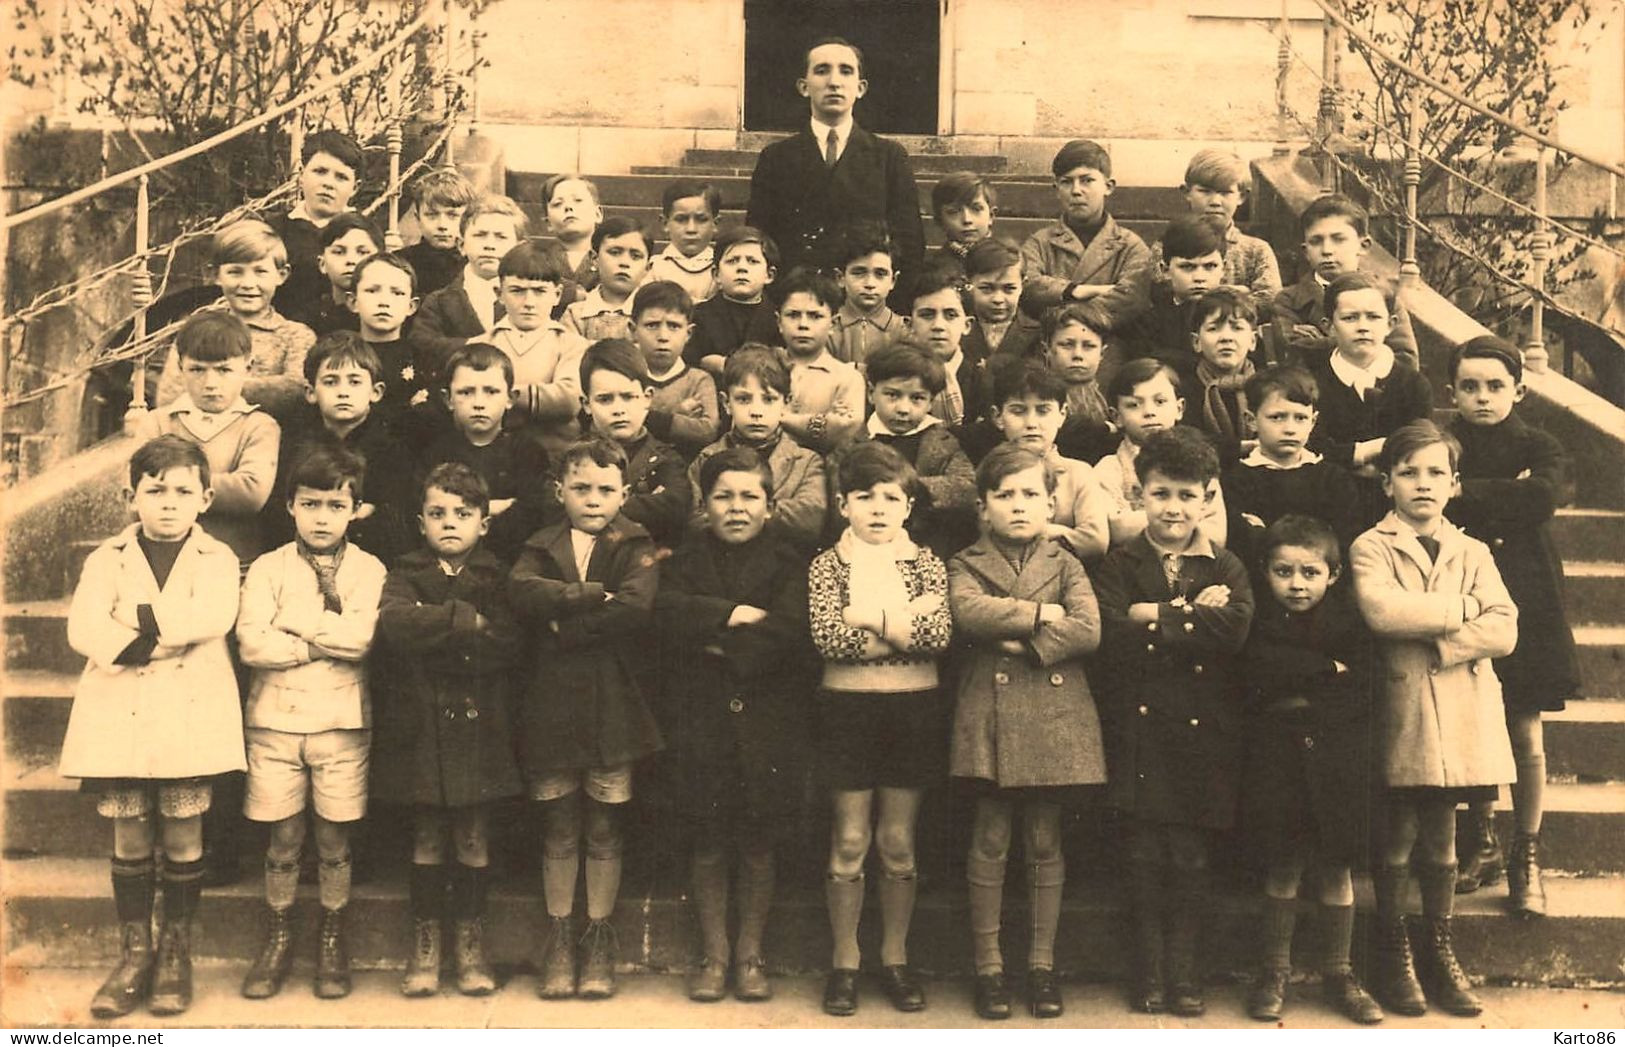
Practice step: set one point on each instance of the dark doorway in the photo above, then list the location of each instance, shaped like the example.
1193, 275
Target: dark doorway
900, 42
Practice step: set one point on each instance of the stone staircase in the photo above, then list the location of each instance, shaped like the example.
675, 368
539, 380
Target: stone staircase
58, 908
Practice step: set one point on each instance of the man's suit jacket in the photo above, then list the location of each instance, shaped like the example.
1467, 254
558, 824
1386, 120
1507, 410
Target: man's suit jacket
807, 208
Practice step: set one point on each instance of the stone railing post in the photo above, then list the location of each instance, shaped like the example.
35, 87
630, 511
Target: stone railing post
1535, 357
141, 297
1410, 273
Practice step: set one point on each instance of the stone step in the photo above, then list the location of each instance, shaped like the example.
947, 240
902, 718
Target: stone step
982, 163
1020, 197
59, 913
1586, 741
1589, 533
36, 633
1594, 591
1602, 659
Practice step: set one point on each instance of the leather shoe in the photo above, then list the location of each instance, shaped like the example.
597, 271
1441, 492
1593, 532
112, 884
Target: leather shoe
841, 992
992, 997
902, 988
1043, 993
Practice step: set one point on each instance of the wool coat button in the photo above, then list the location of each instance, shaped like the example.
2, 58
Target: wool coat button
1308, 742
1001, 678
735, 705
1151, 647
1197, 669
1144, 711
472, 714
1056, 679
1189, 627
1195, 722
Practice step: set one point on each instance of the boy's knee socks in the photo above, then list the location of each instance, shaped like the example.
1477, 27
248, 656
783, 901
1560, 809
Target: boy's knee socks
897, 893
1437, 884
709, 874
281, 882
986, 880
1279, 916
1337, 934
468, 887
1046, 880
333, 882
755, 889
1529, 792
561, 864
427, 891
603, 878
182, 883
844, 895
132, 889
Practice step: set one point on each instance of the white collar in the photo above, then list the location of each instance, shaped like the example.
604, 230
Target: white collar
1363, 379
300, 212
1200, 545
820, 133
474, 279
595, 305
878, 428
698, 263
852, 549
954, 362
1263, 461
183, 404
677, 368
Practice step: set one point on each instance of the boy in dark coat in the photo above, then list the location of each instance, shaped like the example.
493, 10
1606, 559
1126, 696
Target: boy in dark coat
810, 189
584, 590
1174, 611
732, 612
1513, 477
445, 743
1310, 664
1281, 475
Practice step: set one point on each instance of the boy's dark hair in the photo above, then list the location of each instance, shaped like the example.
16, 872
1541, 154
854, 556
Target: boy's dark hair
1412, 437
1138, 372
734, 235
1193, 236
755, 360
936, 277
1335, 205
735, 460
1180, 453
1219, 170
445, 186
902, 360
1302, 532
349, 222
1081, 152
339, 146
959, 188
806, 59
212, 335
342, 347
1008, 459
866, 239
392, 259
477, 356
991, 255
871, 462
1224, 303
685, 188
618, 356
529, 260
328, 468
460, 480
662, 294
1090, 315
1348, 283
247, 241
163, 453
620, 225
1488, 347
1030, 379
806, 280
594, 450
1294, 383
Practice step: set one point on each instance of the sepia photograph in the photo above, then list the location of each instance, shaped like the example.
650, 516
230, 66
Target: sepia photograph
828, 515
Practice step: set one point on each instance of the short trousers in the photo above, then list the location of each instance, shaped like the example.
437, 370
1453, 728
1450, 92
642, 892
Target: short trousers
1440, 794
604, 784
137, 798
871, 740
280, 763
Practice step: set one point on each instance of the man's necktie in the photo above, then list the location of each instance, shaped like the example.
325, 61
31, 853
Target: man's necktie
832, 147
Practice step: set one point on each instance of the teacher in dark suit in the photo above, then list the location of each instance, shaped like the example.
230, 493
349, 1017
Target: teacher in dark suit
809, 189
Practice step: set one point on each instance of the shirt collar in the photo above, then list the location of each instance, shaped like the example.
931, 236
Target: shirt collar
301, 213
678, 367
954, 362
1200, 546
183, 404
824, 361
881, 318
1362, 379
843, 134
472, 279
1263, 461
522, 341
878, 428
690, 263
595, 305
